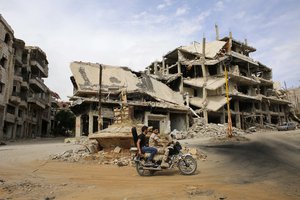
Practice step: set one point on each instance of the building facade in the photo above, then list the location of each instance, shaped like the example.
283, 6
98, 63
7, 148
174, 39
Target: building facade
25, 100
127, 97
197, 71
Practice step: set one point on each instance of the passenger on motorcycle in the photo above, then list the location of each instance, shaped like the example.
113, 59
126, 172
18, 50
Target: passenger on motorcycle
143, 148
156, 142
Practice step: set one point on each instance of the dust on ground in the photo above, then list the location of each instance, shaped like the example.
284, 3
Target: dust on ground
255, 166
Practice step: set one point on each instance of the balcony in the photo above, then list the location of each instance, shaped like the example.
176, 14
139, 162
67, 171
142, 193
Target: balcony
18, 59
35, 64
37, 101
18, 77
15, 98
24, 84
37, 84
10, 118
23, 104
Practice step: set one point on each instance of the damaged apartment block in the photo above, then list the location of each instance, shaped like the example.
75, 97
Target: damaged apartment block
25, 101
127, 98
197, 71
190, 80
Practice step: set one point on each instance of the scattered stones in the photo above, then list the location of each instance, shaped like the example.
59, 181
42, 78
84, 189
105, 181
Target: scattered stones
50, 198
90, 153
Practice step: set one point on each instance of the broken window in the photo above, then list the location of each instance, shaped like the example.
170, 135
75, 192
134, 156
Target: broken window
7, 38
1, 87
243, 89
245, 106
213, 70
10, 109
214, 118
20, 113
3, 62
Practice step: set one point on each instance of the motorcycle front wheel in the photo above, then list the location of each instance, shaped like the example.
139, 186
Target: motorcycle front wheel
187, 165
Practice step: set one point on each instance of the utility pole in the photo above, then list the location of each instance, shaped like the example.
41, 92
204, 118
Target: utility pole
217, 32
205, 115
99, 98
229, 130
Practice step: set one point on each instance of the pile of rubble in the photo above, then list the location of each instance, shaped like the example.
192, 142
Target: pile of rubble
200, 128
89, 151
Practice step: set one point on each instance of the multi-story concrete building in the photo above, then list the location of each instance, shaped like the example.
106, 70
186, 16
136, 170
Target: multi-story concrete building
24, 98
198, 72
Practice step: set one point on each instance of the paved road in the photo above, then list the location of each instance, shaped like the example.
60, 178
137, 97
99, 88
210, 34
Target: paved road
271, 157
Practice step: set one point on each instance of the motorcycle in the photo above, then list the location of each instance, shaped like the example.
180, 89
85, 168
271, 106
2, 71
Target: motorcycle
186, 164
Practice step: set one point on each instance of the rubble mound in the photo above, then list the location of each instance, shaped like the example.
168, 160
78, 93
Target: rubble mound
89, 152
202, 129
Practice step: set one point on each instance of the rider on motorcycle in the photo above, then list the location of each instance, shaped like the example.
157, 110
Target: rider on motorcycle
143, 148
156, 142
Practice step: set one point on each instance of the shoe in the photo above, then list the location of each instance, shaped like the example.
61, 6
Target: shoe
149, 164
164, 165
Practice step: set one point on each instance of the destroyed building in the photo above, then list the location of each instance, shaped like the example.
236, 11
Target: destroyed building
197, 71
294, 97
125, 96
25, 100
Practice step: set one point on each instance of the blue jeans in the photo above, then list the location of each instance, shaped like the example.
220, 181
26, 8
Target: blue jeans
150, 150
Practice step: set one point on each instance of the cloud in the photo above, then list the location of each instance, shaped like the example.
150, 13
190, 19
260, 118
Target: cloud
219, 6
135, 33
165, 4
181, 11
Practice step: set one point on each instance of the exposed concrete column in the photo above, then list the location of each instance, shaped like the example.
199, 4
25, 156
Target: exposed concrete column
178, 67
268, 114
91, 122
167, 69
146, 118
78, 127
155, 68
168, 124
261, 119
187, 99
187, 121
223, 116
238, 115
181, 81
14, 129
164, 66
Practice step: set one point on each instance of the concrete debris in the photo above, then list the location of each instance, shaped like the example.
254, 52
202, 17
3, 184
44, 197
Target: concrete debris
2, 143
82, 154
200, 129
196, 153
117, 150
50, 198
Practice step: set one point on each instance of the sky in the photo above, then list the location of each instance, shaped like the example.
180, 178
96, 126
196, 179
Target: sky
135, 33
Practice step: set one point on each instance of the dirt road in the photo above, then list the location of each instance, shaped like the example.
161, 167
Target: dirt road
265, 167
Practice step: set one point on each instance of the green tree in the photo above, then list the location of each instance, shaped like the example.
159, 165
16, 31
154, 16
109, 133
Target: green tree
65, 123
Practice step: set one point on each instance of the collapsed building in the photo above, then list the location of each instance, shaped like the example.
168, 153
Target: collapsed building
126, 96
25, 100
188, 81
197, 71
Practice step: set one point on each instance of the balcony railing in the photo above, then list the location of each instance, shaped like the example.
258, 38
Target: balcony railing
37, 84
43, 69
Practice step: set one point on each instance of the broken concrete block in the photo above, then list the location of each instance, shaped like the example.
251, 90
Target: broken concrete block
117, 150
193, 151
